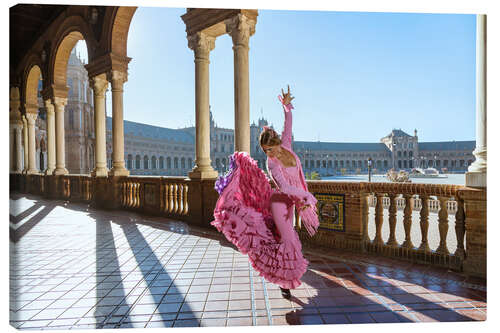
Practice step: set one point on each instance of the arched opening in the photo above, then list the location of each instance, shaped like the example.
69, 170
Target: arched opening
70, 78
153, 162
34, 105
146, 162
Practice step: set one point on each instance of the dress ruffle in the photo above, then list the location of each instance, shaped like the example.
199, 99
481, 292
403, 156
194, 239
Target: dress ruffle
243, 215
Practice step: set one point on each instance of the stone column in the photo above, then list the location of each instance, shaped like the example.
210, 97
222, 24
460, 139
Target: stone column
18, 128
476, 176
12, 149
25, 146
51, 137
100, 85
31, 119
241, 28
117, 79
59, 104
202, 44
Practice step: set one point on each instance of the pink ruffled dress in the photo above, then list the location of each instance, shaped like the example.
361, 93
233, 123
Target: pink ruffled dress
259, 220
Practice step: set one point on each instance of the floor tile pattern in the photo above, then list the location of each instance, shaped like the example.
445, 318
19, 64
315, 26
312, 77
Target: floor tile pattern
72, 266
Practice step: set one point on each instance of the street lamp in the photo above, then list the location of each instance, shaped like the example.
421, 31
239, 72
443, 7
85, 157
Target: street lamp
369, 169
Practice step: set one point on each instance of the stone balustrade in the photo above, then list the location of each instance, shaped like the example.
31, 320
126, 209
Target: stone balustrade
443, 225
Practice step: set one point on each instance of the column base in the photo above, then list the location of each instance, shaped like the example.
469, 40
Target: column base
49, 172
32, 172
475, 179
115, 172
60, 171
99, 172
208, 173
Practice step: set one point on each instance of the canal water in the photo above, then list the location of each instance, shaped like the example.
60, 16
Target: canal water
450, 179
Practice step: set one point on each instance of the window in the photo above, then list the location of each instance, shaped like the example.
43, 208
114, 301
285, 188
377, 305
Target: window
162, 166
183, 163
190, 163
146, 162
176, 163
129, 161
169, 164
137, 162
153, 162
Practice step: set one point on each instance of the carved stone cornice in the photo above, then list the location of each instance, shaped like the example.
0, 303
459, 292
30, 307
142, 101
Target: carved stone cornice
208, 20
240, 28
201, 44
107, 62
55, 90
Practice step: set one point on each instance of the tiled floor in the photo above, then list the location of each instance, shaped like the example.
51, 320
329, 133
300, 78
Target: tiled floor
76, 267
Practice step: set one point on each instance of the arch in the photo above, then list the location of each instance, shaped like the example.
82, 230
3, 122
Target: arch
146, 162
60, 60
162, 163
119, 30
169, 163
31, 86
183, 163
153, 162
176, 162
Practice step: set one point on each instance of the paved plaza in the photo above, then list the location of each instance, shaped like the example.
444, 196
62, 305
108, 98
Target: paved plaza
72, 266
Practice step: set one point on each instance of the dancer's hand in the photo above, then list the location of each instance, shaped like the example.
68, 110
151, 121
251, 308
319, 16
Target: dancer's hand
305, 206
286, 97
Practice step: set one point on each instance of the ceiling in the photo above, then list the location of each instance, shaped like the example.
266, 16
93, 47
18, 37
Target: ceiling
27, 24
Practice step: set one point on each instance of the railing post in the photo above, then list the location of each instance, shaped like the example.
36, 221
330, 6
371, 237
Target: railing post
443, 225
407, 220
475, 227
460, 228
364, 209
379, 218
392, 219
424, 222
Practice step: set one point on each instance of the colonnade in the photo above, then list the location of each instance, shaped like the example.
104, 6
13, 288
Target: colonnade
240, 26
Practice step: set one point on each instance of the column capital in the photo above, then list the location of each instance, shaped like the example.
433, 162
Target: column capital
31, 118
117, 79
60, 102
99, 84
49, 105
201, 44
240, 28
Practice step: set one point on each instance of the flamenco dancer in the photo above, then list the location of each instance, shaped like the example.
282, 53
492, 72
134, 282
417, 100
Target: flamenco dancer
259, 219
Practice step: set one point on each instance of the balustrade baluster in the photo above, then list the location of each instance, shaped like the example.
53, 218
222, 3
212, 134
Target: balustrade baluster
460, 228
424, 222
379, 218
179, 198
443, 225
176, 203
365, 201
171, 198
392, 220
407, 219
185, 200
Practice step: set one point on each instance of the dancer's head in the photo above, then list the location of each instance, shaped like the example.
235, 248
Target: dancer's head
270, 142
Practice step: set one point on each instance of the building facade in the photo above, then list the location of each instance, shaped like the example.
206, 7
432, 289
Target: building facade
154, 150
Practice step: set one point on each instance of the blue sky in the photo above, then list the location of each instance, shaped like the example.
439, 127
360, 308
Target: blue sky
355, 75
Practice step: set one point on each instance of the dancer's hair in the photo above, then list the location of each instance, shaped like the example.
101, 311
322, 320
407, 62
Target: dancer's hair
269, 137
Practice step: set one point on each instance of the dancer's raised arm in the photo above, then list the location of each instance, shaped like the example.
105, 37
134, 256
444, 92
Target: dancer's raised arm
286, 101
